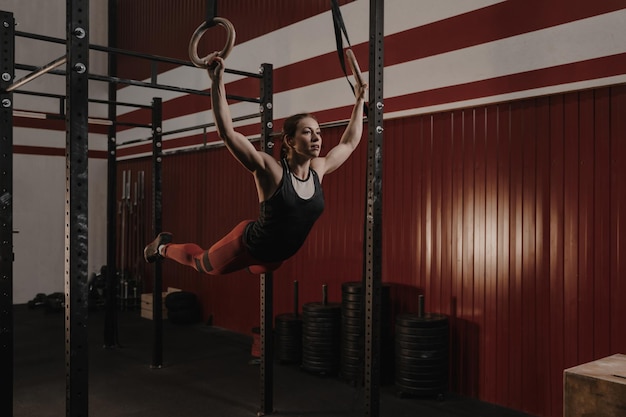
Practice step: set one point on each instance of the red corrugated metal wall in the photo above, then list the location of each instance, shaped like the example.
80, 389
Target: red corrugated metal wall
509, 218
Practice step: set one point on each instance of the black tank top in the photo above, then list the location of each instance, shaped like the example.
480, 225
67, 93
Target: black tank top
285, 220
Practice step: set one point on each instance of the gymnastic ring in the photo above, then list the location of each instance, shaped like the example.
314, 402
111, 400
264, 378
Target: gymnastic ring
354, 66
195, 39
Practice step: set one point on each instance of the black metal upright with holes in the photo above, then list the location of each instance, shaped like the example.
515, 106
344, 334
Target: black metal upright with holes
76, 214
110, 318
267, 299
157, 213
7, 74
373, 215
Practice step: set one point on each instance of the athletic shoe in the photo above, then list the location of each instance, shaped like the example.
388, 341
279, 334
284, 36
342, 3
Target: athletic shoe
151, 252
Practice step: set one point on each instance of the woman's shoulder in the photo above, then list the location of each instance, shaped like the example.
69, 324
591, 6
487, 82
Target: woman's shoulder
318, 165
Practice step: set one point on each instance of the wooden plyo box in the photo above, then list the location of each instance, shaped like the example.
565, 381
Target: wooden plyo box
596, 388
146, 304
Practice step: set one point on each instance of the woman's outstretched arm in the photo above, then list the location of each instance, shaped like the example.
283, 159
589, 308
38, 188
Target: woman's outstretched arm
349, 140
237, 144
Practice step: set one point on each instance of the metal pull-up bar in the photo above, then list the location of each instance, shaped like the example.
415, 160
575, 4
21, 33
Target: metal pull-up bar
38, 73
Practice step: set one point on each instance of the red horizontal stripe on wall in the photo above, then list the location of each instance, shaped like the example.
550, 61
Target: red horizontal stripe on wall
578, 71
500, 21
489, 24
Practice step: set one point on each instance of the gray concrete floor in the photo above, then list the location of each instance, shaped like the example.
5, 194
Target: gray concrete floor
207, 372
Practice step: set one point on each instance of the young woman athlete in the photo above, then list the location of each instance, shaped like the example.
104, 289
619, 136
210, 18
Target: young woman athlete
289, 190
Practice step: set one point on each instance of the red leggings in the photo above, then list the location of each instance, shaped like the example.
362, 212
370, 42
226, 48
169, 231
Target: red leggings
229, 254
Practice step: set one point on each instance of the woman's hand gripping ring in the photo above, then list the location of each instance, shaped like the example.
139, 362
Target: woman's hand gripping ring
195, 39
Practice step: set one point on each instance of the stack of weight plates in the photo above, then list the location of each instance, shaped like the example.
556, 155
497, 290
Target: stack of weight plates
321, 329
352, 339
288, 329
421, 354
352, 330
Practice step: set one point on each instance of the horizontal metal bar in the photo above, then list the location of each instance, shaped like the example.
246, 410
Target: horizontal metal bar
132, 141
38, 73
137, 83
210, 145
187, 129
131, 124
205, 125
120, 103
91, 100
109, 49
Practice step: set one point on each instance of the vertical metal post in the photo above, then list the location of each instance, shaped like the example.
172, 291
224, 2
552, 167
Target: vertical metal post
7, 74
157, 212
76, 202
110, 318
373, 216
267, 288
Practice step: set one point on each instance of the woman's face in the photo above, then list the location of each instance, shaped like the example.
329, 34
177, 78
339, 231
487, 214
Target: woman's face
308, 140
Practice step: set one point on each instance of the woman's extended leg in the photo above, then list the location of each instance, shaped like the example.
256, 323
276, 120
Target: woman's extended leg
227, 255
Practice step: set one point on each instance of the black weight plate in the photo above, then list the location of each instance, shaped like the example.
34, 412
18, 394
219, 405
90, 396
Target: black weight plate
427, 320
288, 318
420, 385
354, 342
322, 312
423, 376
421, 354
289, 348
324, 331
437, 342
411, 338
351, 373
317, 341
310, 318
356, 301
318, 307
352, 363
352, 351
352, 348
329, 356
411, 366
352, 336
351, 286
287, 331
291, 341
325, 361
354, 322
352, 356
351, 307
288, 326
428, 381
320, 359
426, 331
321, 326
354, 314
352, 331
320, 339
